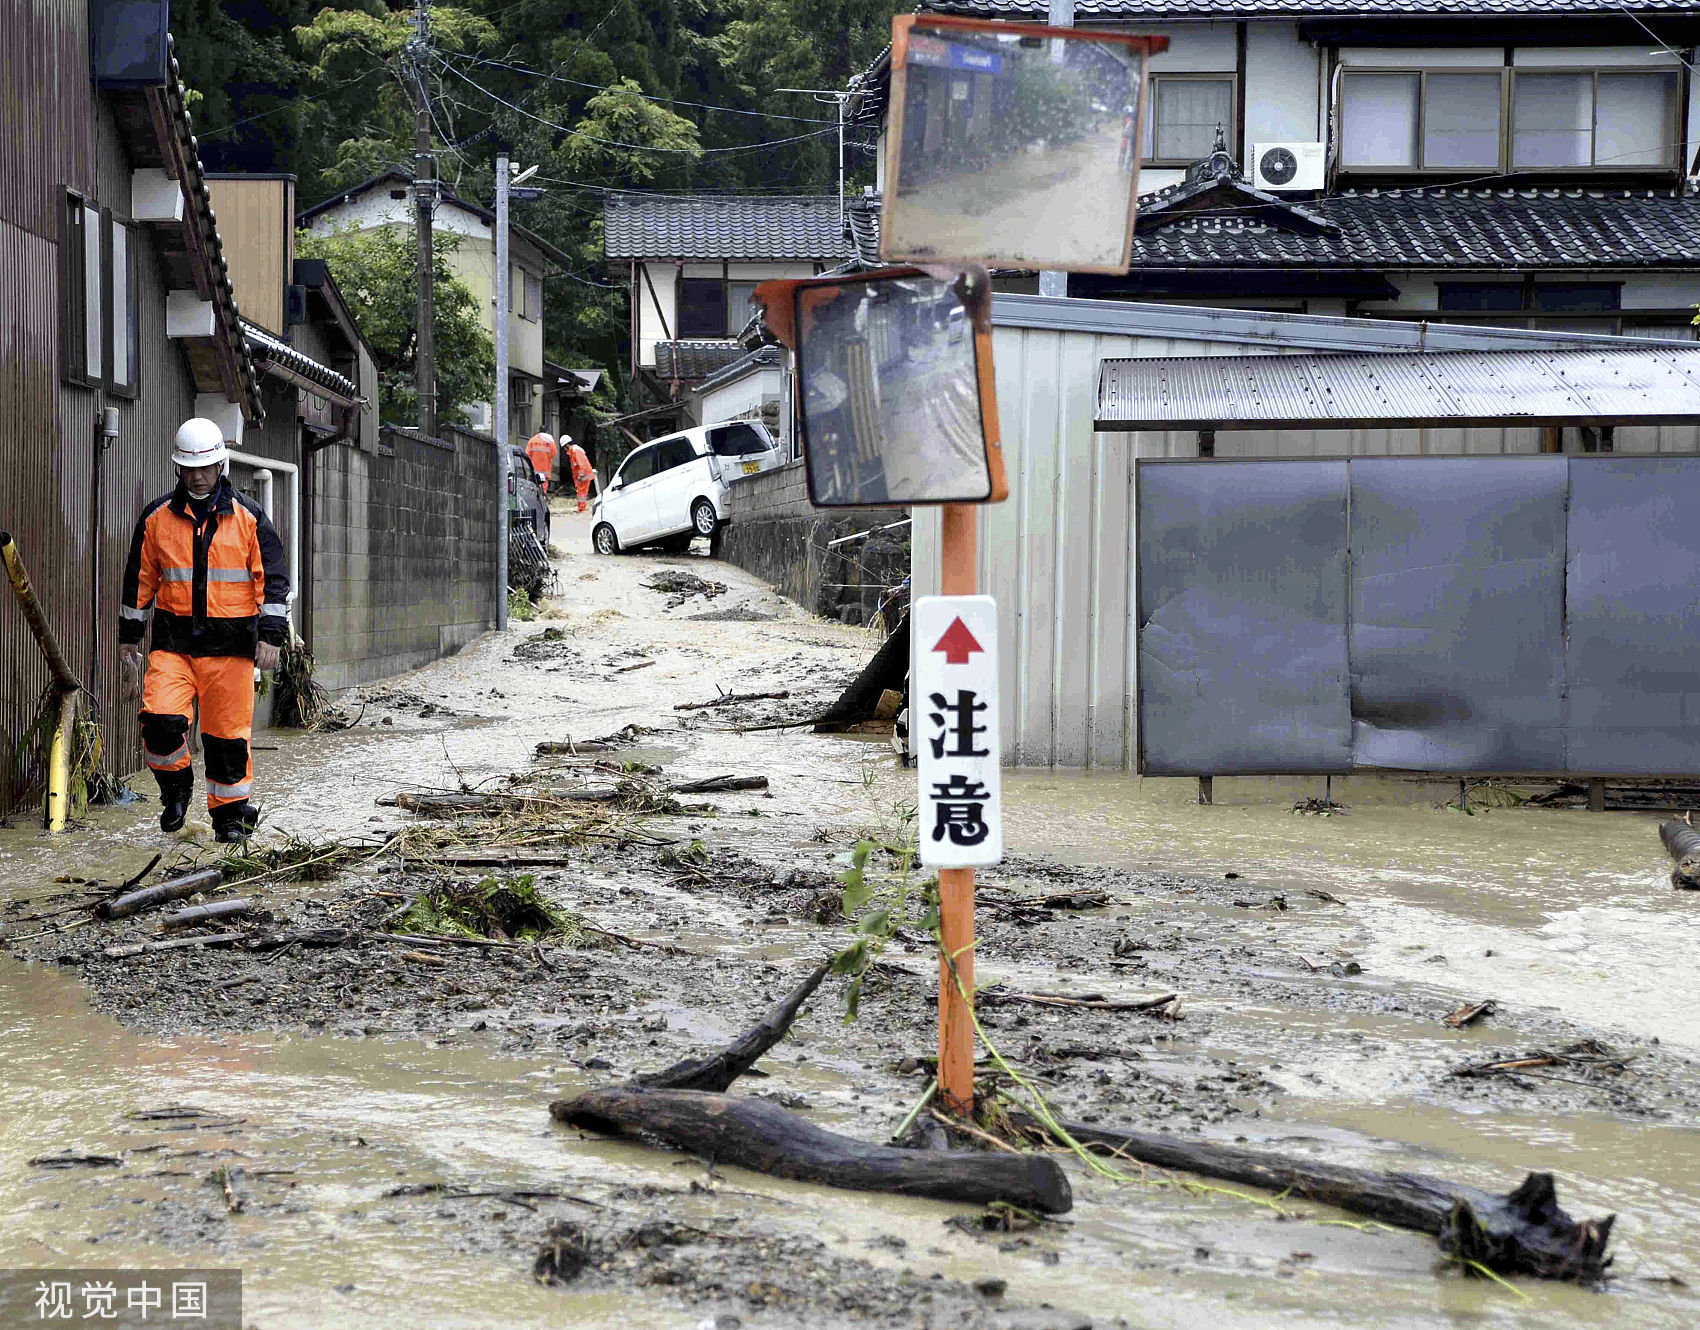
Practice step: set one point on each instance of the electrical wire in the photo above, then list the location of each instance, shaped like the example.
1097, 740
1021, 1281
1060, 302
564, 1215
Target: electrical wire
666, 101
284, 106
634, 147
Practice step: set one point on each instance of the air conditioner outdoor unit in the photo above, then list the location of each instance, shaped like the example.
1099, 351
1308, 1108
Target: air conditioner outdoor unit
1287, 166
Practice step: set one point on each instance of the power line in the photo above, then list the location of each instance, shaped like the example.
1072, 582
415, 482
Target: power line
669, 101
284, 106
635, 147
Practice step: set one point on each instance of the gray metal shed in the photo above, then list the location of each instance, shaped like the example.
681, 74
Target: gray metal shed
1059, 555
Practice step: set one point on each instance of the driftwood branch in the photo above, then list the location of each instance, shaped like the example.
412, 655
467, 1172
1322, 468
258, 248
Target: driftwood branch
1522, 1232
727, 699
755, 1134
718, 1072
161, 893
208, 914
682, 1105
1683, 844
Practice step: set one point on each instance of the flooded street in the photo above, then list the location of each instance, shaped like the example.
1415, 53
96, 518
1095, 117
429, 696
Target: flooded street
399, 1168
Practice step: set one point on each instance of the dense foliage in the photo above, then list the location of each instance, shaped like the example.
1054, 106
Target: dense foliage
377, 273
664, 95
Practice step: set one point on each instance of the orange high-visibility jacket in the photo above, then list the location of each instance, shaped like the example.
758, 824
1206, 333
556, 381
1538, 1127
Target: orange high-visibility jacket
542, 450
216, 587
582, 472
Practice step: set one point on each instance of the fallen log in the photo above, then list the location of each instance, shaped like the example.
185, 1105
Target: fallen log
719, 785
755, 1134
1683, 844
552, 746
1522, 1232
208, 914
161, 893
682, 1105
127, 949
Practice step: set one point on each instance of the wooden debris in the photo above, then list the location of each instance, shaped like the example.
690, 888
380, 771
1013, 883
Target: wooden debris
719, 785
424, 958
67, 1160
997, 995
727, 699
719, 1071
756, 1134
753, 1133
128, 949
1339, 969
641, 665
1084, 898
162, 893
196, 915
1321, 895
1470, 1014
1682, 842
573, 747
1523, 1232
225, 1177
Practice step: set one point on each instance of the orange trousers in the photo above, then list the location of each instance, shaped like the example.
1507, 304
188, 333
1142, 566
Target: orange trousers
583, 488
224, 688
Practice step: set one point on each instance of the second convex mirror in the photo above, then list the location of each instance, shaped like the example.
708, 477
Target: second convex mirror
1012, 145
894, 382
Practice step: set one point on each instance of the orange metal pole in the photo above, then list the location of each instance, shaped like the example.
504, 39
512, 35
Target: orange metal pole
956, 885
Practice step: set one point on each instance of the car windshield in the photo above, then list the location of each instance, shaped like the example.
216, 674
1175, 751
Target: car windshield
738, 441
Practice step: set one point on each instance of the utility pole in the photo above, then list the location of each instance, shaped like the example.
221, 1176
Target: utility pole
500, 426
842, 99
425, 201
1059, 14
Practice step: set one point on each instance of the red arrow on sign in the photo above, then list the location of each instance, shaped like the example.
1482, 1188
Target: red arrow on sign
957, 644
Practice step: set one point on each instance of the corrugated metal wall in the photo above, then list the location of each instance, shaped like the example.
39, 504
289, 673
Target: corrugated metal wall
1058, 555
48, 429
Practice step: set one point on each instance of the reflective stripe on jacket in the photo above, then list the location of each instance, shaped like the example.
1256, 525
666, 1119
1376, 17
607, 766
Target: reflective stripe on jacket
215, 586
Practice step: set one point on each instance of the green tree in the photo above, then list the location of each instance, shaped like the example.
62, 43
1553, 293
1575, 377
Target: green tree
375, 271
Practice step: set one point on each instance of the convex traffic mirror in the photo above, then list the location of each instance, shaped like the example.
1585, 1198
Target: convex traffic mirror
1013, 145
894, 385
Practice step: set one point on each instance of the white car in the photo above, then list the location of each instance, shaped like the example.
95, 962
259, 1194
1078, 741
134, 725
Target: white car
672, 489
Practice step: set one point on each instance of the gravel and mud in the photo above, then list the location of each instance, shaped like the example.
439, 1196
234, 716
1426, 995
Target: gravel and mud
682, 927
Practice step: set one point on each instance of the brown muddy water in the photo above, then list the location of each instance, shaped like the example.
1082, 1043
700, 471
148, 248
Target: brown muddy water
1565, 917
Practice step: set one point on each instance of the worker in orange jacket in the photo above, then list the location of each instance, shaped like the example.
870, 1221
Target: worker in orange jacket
541, 449
210, 564
583, 472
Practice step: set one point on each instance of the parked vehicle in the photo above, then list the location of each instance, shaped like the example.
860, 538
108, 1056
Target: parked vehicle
527, 504
672, 489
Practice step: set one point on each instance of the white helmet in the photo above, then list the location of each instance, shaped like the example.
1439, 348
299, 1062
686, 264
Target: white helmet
199, 443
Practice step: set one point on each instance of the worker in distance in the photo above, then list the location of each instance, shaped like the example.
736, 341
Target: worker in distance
209, 564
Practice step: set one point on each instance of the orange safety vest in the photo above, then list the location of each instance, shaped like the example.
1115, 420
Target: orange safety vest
543, 452
215, 586
580, 462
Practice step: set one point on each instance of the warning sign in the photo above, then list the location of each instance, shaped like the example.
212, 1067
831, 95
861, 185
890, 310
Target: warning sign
953, 714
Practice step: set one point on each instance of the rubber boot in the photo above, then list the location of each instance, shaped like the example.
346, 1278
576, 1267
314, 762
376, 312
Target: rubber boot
175, 787
234, 822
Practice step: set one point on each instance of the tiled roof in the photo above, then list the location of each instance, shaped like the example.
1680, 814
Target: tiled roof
724, 226
763, 357
694, 360
1086, 10
269, 350
1442, 228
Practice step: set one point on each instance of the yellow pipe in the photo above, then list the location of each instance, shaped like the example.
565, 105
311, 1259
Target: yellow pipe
59, 764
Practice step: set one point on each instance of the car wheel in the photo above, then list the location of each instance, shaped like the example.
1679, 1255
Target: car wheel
604, 540
702, 517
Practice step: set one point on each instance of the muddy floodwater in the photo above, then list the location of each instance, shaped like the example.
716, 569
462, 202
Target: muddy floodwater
386, 1121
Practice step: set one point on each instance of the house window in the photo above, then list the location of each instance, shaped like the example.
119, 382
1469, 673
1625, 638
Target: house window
1420, 120
533, 297
1585, 118
702, 307
743, 306
98, 286
1591, 301
1184, 112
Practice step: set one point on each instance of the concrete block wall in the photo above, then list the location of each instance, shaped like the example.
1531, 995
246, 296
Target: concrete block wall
774, 532
404, 553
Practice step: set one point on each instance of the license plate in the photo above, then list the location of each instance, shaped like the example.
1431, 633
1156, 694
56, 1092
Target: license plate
750, 468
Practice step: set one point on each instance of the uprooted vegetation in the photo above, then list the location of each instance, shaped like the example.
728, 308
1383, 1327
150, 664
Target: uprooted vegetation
506, 909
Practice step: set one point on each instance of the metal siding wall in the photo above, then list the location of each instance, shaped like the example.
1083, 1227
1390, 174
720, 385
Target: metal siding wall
1057, 554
